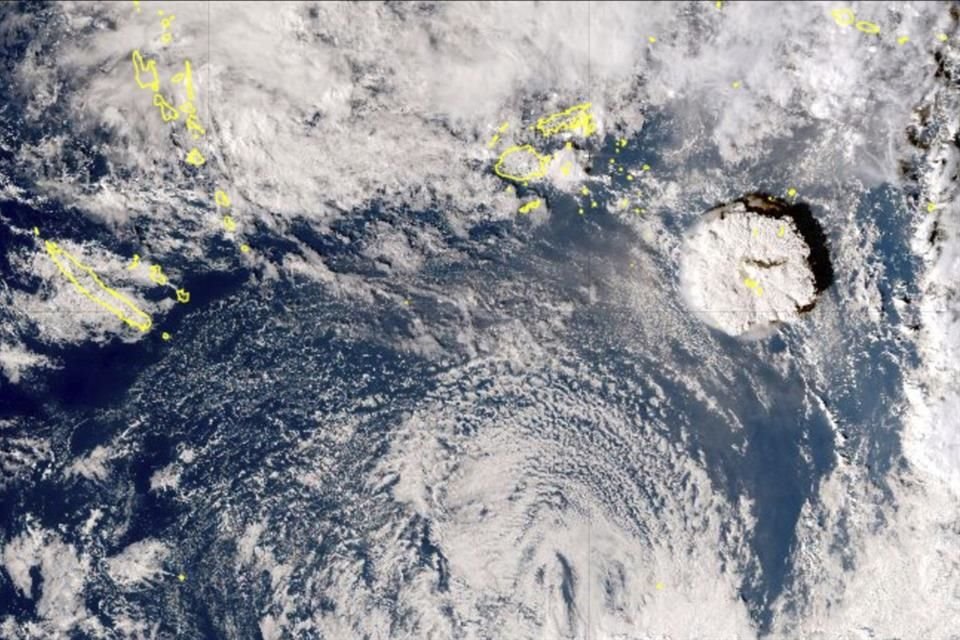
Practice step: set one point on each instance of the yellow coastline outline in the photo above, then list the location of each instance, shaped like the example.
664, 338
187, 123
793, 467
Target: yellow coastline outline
141, 66
539, 172
186, 77
753, 284
168, 112
843, 16
576, 117
157, 275
496, 136
55, 252
530, 206
195, 158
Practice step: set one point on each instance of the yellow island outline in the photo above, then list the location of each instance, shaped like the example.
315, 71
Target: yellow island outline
530, 206
55, 253
539, 172
753, 284
577, 117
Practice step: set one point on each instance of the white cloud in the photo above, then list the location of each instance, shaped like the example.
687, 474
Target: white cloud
746, 273
60, 607
15, 360
138, 563
360, 102
892, 572
93, 466
931, 440
20, 555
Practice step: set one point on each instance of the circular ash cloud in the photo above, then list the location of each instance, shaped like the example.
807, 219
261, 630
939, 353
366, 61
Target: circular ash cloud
753, 264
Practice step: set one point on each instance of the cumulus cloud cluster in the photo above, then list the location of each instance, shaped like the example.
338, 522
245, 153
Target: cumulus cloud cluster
317, 110
746, 273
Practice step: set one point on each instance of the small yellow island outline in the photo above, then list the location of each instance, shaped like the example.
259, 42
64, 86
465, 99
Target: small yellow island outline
753, 284
195, 157
530, 206
125, 310
496, 136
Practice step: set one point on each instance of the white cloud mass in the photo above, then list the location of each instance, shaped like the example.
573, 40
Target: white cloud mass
317, 110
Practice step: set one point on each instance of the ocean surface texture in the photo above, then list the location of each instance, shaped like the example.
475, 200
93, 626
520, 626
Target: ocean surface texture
419, 321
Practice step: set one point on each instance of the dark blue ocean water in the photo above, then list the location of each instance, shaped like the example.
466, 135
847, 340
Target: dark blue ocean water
257, 364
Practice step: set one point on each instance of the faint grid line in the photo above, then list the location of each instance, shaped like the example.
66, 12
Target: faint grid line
590, 293
210, 181
59, 313
209, 66
955, 310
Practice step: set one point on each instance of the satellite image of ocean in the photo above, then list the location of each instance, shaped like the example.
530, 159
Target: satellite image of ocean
479, 320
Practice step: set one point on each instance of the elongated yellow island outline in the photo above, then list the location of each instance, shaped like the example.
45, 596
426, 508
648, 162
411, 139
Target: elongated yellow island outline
137, 318
496, 136
576, 118
530, 206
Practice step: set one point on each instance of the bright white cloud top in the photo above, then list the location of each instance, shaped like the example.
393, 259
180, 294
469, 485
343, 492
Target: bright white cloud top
745, 272
425, 414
